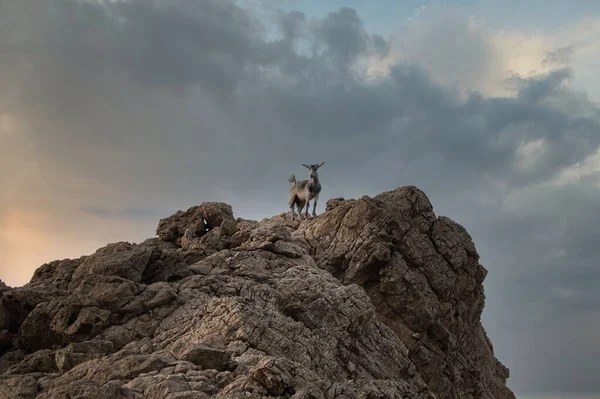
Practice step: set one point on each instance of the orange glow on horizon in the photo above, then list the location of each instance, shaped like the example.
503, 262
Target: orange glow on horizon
30, 238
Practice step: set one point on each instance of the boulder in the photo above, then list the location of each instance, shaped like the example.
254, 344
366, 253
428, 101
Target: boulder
171, 229
182, 227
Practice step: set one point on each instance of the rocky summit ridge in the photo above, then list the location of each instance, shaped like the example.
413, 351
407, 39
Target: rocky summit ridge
375, 298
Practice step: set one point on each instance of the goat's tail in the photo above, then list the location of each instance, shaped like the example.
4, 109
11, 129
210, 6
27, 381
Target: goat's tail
292, 179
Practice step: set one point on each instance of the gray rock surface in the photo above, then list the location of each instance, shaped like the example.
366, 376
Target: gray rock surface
375, 298
217, 214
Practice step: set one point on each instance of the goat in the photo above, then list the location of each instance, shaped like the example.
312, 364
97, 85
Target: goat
304, 191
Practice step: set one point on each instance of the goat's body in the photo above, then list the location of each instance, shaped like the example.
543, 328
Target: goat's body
304, 191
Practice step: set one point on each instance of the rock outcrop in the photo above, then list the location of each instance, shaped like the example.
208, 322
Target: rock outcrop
374, 298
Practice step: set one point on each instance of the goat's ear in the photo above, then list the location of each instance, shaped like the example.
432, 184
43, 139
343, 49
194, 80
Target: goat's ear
321, 164
306, 166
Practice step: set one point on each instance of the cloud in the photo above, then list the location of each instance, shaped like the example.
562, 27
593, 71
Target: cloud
114, 111
560, 56
466, 50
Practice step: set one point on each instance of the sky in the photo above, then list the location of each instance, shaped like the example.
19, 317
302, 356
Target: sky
114, 114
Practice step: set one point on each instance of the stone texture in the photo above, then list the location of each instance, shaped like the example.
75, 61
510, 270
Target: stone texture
202, 356
77, 353
375, 298
217, 214
173, 228
422, 274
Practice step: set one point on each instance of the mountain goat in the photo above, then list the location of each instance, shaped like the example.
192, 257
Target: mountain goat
304, 191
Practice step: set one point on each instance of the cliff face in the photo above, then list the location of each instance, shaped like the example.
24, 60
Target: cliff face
375, 298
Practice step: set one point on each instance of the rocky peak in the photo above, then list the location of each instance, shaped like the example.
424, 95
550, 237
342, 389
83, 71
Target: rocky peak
375, 298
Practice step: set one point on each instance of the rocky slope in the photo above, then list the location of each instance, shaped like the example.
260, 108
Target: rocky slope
374, 298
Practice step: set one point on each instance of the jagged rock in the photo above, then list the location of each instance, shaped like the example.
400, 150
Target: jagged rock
423, 276
6, 336
375, 298
274, 379
41, 361
244, 224
244, 229
122, 259
172, 228
59, 322
77, 353
88, 390
10, 359
187, 238
57, 273
166, 264
15, 305
334, 203
270, 236
202, 356
227, 227
6, 339
18, 387
211, 242
217, 214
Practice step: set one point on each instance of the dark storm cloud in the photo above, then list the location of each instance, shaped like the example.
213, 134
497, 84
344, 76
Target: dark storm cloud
560, 56
416, 114
343, 34
219, 49
534, 90
161, 45
167, 104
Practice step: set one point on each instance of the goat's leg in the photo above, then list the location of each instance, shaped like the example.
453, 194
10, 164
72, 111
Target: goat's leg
293, 213
315, 200
307, 206
299, 210
294, 203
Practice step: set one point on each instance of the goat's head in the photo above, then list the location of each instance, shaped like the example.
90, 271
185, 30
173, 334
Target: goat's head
313, 169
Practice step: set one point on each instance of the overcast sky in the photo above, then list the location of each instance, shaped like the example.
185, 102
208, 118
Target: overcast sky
114, 114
